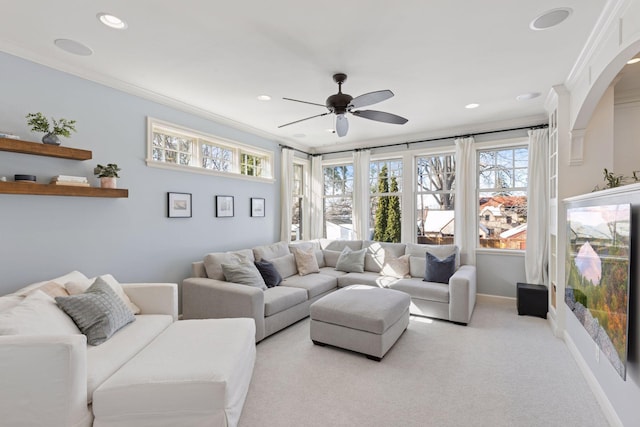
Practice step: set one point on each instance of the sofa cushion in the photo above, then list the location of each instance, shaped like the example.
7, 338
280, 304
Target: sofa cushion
396, 267
330, 257
366, 278
269, 273
98, 312
213, 261
52, 289
420, 289
74, 275
439, 270
271, 251
420, 250
339, 245
306, 261
378, 252
351, 261
315, 284
76, 287
243, 273
281, 298
37, 314
331, 271
286, 265
9, 301
104, 360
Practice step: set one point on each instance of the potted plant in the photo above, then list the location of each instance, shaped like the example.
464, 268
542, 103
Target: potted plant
39, 123
107, 174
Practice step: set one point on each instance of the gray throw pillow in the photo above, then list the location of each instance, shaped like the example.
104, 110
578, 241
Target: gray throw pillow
351, 261
439, 270
98, 312
244, 273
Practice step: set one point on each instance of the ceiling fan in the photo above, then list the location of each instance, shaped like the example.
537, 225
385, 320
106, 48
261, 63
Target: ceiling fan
341, 103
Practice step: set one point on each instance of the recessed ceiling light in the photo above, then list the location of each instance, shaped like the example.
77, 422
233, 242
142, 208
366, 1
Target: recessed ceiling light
527, 96
633, 61
111, 21
73, 46
550, 18
264, 98
471, 106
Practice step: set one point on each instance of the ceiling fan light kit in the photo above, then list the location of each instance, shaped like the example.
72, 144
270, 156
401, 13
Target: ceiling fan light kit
341, 103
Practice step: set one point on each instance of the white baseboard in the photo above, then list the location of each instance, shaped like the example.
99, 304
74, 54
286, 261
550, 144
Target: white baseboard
494, 297
608, 410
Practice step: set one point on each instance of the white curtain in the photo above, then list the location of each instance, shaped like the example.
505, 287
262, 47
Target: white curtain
361, 160
466, 203
316, 210
537, 251
286, 195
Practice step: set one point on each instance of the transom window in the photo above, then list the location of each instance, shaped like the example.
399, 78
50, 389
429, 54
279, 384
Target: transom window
502, 197
172, 146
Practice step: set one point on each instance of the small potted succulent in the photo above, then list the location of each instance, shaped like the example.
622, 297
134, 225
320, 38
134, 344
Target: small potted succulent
62, 127
107, 175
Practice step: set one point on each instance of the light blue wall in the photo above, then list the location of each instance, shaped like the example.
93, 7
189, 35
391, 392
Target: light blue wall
499, 272
46, 236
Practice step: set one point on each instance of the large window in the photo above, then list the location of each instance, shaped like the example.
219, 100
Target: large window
435, 199
385, 181
338, 202
172, 146
502, 194
298, 202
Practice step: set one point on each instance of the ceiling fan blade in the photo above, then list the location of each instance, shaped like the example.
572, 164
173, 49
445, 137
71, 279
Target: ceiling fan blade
381, 116
370, 98
342, 124
305, 102
302, 120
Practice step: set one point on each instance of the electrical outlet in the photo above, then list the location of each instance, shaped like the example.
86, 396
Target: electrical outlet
597, 354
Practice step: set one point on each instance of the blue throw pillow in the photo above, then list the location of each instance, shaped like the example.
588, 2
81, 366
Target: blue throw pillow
269, 273
439, 270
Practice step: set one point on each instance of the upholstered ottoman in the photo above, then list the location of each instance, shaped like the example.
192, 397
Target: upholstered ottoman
361, 318
195, 373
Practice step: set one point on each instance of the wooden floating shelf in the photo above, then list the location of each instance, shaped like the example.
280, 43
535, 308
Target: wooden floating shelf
60, 190
38, 149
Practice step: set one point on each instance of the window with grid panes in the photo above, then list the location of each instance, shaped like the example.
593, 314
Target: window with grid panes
435, 198
338, 202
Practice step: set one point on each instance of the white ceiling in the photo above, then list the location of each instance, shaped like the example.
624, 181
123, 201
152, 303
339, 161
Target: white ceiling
216, 57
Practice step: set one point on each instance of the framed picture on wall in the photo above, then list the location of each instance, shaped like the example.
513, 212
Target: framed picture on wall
257, 207
224, 206
179, 205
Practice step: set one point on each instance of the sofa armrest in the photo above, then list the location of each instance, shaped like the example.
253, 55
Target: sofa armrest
44, 380
204, 298
154, 298
462, 294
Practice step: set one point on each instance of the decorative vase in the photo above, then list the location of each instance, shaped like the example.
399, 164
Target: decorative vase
108, 182
51, 139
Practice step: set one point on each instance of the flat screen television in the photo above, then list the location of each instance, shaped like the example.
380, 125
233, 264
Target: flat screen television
597, 276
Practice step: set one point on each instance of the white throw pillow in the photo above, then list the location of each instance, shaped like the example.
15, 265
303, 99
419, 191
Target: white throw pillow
396, 267
37, 314
306, 261
79, 287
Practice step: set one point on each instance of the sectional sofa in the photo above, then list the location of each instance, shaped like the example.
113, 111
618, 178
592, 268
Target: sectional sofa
208, 294
155, 371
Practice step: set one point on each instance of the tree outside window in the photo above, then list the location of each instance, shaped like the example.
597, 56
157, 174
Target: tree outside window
502, 197
385, 179
298, 200
435, 198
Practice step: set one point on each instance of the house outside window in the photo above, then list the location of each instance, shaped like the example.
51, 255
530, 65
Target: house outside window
502, 197
338, 202
385, 182
172, 146
435, 198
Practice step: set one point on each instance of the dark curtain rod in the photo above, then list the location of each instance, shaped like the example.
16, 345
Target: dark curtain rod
398, 144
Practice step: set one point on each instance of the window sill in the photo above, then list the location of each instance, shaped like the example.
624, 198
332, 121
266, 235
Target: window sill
194, 169
507, 252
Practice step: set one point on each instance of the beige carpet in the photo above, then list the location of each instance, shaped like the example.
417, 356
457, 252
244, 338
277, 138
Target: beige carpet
501, 370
